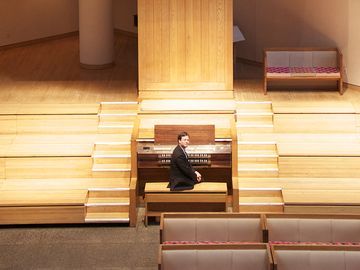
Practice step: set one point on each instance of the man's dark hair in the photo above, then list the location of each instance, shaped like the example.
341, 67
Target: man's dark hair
182, 134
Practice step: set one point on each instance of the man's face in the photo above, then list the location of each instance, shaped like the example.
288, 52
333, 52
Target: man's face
184, 142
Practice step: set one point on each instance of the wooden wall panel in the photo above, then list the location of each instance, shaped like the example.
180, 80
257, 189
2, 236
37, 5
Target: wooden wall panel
185, 45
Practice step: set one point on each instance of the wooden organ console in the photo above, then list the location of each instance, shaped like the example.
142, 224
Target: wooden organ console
212, 158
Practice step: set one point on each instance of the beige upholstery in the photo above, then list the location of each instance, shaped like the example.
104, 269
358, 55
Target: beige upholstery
317, 260
302, 58
313, 230
352, 260
212, 229
345, 230
214, 259
179, 260
179, 229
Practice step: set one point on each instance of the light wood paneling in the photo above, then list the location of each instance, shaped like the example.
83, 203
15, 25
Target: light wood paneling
2, 168
319, 167
185, 45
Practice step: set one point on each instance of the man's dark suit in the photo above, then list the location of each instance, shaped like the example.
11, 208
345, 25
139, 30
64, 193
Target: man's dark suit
182, 174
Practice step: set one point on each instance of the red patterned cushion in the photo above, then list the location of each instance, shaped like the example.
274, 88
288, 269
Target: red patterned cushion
278, 69
315, 243
204, 242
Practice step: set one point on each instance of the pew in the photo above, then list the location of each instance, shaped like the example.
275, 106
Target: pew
214, 257
211, 227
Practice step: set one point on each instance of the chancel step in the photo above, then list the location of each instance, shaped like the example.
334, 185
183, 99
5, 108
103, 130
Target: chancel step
107, 218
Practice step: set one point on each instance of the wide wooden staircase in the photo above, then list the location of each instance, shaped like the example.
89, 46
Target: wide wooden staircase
112, 159
257, 156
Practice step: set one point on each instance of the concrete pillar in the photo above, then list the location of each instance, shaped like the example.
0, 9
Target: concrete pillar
96, 34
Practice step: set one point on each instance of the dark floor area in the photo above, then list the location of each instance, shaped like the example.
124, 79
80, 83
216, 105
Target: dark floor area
79, 247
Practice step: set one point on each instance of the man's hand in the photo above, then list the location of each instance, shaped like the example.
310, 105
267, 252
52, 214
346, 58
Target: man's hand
198, 176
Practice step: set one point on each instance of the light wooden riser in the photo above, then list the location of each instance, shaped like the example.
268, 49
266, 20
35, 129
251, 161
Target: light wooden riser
42, 215
111, 138
261, 209
260, 193
257, 160
125, 148
260, 174
254, 106
108, 193
107, 217
326, 209
250, 146
108, 209
125, 119
118, 107
174, 94
255, 130
111, 174
254, 118
115, 130
112, 161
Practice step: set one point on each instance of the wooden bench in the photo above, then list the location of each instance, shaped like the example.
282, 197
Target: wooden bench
214, 257
205, 197
214, 227
303, 64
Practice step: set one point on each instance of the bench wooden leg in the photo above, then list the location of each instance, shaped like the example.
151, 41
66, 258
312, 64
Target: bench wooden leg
265, 86
341, 87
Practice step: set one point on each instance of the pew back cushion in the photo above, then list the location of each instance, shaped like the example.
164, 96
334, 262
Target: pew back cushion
312, 229
221, 229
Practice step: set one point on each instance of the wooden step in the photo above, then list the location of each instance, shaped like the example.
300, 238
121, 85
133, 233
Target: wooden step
107, 217
116, 138
261, 204
104, 192
111, 174
118, 147
111, 168
260, 127
111, 154
260, 192
107, 204
257, 156
257, 170
111, 157
257, 145
115, 128
254, 105
249, 117
126, 119
122, 105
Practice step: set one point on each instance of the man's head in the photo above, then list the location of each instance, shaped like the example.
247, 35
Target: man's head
183, 139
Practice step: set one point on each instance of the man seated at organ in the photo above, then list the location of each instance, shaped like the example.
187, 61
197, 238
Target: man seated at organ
182, 175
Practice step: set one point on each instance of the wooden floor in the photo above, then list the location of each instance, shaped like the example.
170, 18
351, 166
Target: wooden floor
28, 78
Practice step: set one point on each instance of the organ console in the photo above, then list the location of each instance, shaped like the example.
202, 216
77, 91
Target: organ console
212, 158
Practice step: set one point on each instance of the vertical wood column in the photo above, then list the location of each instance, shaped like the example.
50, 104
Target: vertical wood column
96, 34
